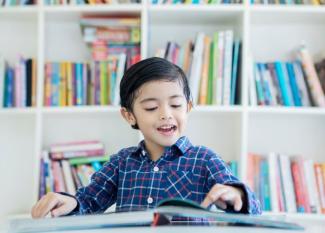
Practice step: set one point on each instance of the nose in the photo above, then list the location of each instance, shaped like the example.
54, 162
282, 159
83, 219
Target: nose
165, 113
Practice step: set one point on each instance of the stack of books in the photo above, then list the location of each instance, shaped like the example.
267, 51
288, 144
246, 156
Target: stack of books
112, 35
65, 167
291, 83
212, 65
18, 83
287, 183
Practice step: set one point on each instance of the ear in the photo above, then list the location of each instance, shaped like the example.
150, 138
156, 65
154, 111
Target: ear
128, 116
189, 106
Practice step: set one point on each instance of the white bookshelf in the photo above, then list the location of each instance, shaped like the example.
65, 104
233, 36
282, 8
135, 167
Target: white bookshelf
52, 33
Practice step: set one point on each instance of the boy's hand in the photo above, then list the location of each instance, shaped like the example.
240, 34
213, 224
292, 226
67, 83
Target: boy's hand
55, 203
221, 195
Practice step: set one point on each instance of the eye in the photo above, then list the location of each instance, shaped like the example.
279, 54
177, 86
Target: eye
151, 109
176, 105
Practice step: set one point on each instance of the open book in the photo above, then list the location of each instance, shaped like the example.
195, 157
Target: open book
168, 211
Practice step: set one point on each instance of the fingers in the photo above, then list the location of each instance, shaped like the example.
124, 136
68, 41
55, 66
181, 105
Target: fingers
214, 194
44, 205
221, 195
238, 203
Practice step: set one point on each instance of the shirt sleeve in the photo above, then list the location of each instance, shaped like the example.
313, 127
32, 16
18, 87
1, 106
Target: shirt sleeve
101, 192
220, 173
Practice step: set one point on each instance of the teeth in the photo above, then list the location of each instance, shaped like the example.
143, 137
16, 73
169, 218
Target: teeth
167, 127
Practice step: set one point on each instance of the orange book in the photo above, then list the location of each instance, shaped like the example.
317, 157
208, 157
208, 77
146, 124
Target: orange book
320, 181
203, 96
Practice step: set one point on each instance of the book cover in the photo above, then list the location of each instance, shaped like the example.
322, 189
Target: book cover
163, 214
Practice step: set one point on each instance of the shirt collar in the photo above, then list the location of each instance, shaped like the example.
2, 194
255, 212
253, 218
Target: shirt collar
182, 144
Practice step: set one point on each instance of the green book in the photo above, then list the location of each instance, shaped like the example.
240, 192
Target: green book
87, 160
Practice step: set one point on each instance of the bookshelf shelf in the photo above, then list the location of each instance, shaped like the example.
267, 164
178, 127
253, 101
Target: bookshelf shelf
80, 109
117, 9
52, 33
17, 111
196, 8
287, 110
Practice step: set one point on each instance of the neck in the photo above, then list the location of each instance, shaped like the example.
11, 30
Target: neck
154, 151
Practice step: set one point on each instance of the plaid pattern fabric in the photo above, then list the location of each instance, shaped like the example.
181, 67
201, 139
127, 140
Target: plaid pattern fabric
133, 181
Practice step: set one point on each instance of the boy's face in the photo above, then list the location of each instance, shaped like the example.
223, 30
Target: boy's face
160, 110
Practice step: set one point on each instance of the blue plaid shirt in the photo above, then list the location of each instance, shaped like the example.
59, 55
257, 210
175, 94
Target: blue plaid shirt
133, 181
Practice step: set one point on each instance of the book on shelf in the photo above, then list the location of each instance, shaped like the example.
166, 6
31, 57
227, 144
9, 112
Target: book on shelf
112, 35
84, 83
287, 183
288, 2
89, 2
194, 2
18, 83
288, 83
168, 212
65, 167
17, 3
211, 64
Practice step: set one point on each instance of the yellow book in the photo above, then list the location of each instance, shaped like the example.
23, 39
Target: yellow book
69, 84
47, 84
135, 35
63, 84
315, 2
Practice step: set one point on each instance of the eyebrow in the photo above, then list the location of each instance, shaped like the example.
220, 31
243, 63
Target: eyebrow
155, 99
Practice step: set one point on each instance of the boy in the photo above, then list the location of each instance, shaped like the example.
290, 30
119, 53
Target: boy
155, 98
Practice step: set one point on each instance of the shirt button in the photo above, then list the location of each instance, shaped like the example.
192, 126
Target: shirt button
149, 200
156, 169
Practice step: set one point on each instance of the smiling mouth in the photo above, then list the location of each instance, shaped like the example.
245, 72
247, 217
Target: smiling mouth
167, 129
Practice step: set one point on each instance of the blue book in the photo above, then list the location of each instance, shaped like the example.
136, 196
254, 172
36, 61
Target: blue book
293, 83
266, 185
235, 71
259, 86
96, 165
9, 88
79, 84
282, 83
55, 81
265, 84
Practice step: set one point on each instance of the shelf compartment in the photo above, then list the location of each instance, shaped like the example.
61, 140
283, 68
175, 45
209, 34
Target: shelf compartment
204, 128
291, 134
17, 162
109, 128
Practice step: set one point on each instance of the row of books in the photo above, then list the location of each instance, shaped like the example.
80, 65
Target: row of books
112, 35
88, 2
195, 2
18, 83
291, 83
212, 65
17, 2
65, 167
287, 183
75, 84
289, 2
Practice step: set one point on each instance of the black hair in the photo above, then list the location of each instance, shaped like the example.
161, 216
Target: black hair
147, 70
